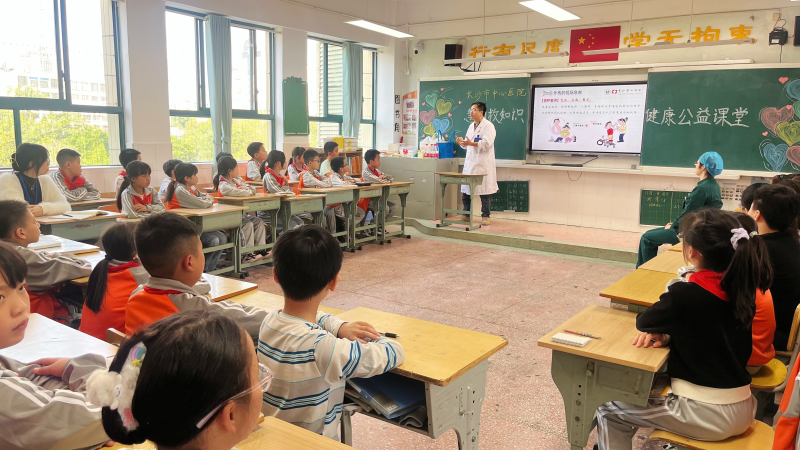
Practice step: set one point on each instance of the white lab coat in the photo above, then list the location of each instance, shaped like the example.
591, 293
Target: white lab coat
480, 159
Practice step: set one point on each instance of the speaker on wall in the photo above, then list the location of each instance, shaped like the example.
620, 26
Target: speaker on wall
452, 51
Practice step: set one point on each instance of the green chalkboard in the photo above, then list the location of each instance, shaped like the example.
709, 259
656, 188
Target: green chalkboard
511, 196
444, 107
749, 116
660, 207
295, 107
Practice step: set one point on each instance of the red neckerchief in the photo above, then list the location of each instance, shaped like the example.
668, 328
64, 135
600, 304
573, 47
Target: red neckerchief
155, 291
123, 173
145, 199
79, 181
279, 178
374, 171
710, 281
121, 267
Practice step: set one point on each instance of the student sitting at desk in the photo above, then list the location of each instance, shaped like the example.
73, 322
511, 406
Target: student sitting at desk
69, 180
136, 199
29, 182
168, 167
331, 151
312, 353
276, 184
706, 193
172, 254
46, 273
340, 177
707, 322
297, 165
310, 178
371, 174
228, 184
258, 154
126, 157
44, 406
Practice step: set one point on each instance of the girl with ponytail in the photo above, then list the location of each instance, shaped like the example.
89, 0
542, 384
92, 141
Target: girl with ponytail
29, 182
136, 198
274, 183
228, 184
708, 323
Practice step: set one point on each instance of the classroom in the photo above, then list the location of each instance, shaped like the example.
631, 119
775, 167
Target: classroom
253, 224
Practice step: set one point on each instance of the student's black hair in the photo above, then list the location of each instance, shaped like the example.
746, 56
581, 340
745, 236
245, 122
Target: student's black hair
221, 155
66, 154
162, 240
224, 166
253, 148
337, 163
297, 151
12, 267
791, 183
135, 168
169, 166
195, 361
29, 156
297, 250
309, 154
481, 107
780, 177
182, 172
779, 205
748, 193
624, 119
275, 156
118, 243
15, 212
370, 154
128, 155
745, 269
330, 146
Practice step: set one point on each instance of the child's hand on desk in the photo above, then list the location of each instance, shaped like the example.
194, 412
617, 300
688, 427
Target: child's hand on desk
357, 331
139, 208
36, 210
645, 340
50, 366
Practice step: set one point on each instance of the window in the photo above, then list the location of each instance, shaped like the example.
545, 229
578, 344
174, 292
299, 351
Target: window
48, 51
189, 101
366, 133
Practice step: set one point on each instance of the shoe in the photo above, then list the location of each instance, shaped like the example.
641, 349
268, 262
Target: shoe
247, 259
257, 256
485, 221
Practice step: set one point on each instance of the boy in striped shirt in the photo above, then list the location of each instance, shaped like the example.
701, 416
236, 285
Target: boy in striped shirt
69, 180
312, 354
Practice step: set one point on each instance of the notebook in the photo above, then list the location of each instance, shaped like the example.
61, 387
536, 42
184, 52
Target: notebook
47, 241
390, 394
571, 339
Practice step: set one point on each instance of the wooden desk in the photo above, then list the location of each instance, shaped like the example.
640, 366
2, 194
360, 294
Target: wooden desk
362, 192
75, 229
92, 204
93, 259
271, 302
270, 203
607, 369
639, 289
337, 195
458, 179
667, 262
219, 217
301, 204
401, 188
677, 247
224, 288
452, 362
46, 338
68, 246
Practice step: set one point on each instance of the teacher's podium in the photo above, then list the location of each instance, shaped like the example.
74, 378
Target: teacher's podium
458, 179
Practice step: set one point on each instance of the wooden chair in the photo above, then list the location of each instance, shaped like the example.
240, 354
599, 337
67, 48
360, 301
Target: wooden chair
110, 208
115, 337
758, 437
771, 378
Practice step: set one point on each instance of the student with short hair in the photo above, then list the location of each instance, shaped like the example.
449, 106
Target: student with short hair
28, 182
331, 151
46, 273
297, 166
168, 167
274, 183
775, 209
228, 184
340, 177
371, 174
171, 252
258, 154
136, 199
747, 196
69, 180
310, 352
310, 178
125, 157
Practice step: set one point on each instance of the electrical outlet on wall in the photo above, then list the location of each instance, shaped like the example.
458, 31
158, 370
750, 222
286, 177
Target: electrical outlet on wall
633, 166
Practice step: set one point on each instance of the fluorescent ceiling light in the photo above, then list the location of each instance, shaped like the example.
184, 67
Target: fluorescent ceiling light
666, 46
379, 28
550, 10
503, 58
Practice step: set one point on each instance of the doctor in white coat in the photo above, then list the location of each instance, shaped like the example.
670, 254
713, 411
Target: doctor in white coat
479, 144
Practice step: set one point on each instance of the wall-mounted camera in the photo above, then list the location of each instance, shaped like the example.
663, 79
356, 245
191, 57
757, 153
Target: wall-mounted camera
418, 47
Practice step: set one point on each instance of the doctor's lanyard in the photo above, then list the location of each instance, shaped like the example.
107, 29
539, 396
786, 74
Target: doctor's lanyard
25, 191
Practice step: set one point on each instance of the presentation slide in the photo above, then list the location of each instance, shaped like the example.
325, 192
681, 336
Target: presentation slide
589, 119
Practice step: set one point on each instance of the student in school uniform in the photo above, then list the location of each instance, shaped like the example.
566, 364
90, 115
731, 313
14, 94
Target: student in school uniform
172, 254
707, 324
310, 178
182, 194
747, 196
312, 353
775, 209
371, 174
125, 157
168, 167
136, 199
46, 273
274, 183
44, 405
706, 193
331, 151
69, 180
787, 424
297, 166
28, 182
340, 177
228, 184
258, 154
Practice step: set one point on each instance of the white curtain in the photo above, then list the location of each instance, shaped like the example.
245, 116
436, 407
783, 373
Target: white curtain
218, 51
353, 61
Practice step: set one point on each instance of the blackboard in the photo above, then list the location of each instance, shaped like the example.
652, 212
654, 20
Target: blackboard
511, 196
660, 207
444, 108
295, 107
751, 117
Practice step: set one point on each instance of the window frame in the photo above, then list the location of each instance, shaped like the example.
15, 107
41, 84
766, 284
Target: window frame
373, 121
64, 101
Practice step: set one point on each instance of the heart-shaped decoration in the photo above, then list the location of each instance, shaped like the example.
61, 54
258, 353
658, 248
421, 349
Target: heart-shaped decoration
783, 80
775, 155
429, 130
793, 154
789, 132
427, 116
430, 99
796, 109
443, 107
459, 102
449, 114
772, 117
441, 89
765, 133
793, 89
441, 125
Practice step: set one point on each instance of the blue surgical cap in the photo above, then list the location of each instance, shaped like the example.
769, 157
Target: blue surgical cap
712, 162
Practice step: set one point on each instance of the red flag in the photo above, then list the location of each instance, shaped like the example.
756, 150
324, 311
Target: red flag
593, 39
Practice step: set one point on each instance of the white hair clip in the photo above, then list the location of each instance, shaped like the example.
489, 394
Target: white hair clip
115, 390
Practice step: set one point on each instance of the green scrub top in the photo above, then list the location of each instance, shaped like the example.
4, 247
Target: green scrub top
706, 193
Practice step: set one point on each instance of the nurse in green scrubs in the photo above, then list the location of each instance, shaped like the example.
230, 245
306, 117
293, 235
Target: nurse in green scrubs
705, 194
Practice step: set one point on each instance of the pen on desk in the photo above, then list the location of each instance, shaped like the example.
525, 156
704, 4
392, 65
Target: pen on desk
581, 333
67, 215
389, 335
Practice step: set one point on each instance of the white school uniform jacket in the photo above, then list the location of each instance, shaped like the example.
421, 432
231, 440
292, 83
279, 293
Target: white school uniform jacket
314, 179
162, 191
188, 199
369, 176
311, 365
127, 202
252, 170
272, 186
480, 159
83, 193
53, 201
339, 180
47, 413
235, 187
293, 172
44, 271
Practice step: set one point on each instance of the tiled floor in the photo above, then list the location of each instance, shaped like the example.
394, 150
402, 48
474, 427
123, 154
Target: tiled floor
518, 294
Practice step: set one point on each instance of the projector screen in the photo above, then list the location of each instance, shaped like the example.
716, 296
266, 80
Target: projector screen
588, 118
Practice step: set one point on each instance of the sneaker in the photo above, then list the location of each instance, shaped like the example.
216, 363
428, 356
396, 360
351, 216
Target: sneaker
485, 221
247, 259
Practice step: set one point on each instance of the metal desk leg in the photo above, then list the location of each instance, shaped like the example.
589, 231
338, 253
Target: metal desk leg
441, 209
403, 215
472, 196
384, 201
458, 406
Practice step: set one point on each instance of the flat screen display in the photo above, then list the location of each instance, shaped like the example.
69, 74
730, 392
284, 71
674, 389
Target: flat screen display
606, 118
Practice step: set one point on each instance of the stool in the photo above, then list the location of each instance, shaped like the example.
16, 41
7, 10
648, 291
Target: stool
766, 382
758, 437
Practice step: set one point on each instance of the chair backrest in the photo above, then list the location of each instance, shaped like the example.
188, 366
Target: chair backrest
114, 336
110, 208
793, 346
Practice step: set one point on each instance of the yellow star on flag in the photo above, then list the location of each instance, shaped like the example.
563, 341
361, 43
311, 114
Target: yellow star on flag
581, 40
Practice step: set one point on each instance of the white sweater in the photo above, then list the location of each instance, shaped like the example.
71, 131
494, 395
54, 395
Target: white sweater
53, 201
